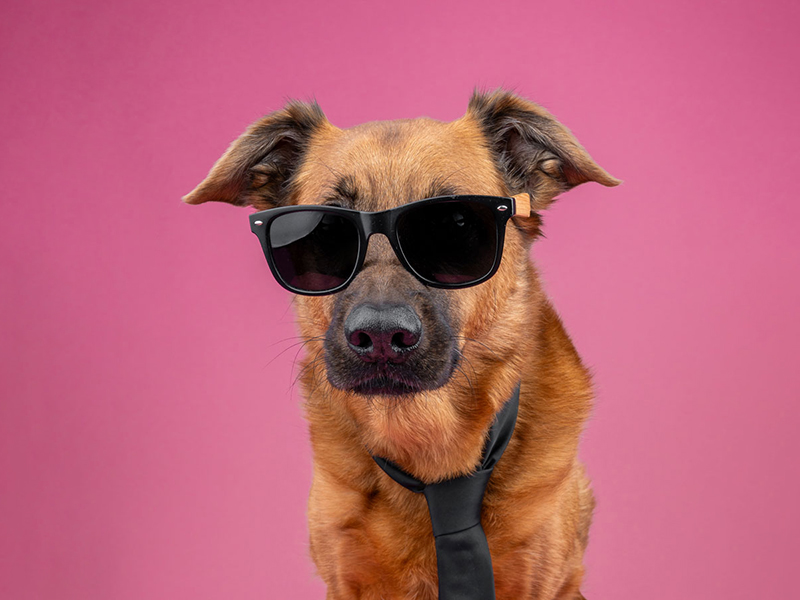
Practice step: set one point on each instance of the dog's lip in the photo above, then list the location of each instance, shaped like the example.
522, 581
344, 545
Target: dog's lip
389, 379
384, 382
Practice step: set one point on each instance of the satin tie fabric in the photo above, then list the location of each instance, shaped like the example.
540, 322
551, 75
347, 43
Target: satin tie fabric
463, 560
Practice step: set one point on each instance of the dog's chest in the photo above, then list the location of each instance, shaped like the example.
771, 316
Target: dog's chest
370, 549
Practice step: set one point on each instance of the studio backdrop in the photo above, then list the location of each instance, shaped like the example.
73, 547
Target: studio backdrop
152, 441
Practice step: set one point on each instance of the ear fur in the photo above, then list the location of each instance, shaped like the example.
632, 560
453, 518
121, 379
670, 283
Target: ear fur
535, 153
257, 168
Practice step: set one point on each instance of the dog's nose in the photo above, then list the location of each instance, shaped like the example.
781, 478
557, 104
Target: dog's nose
383, 332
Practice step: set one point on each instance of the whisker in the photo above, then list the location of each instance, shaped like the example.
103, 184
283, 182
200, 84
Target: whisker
301, 343
310, 366
474, 341
469, 381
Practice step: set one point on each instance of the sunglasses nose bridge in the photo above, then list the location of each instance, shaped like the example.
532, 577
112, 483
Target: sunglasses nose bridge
376, 222
382, 222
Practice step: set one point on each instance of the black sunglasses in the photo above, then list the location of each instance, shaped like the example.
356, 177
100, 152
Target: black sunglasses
445, 242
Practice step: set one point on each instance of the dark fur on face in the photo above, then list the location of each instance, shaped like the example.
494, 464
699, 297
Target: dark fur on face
445, 359
431, 363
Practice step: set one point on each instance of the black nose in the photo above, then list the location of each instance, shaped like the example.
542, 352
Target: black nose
383, 332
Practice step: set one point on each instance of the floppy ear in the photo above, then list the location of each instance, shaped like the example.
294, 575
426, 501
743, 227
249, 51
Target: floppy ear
535, 153
257, 168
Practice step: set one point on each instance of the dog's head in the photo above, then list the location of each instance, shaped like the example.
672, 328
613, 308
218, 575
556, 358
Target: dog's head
412, 371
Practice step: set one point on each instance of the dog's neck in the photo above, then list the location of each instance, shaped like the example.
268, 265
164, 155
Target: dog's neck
464, 563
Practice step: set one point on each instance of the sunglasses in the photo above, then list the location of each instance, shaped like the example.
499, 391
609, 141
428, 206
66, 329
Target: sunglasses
446, 242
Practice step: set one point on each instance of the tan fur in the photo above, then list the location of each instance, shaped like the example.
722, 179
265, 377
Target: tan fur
371, 538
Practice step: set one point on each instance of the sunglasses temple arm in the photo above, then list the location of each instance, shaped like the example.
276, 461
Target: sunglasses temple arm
522, 205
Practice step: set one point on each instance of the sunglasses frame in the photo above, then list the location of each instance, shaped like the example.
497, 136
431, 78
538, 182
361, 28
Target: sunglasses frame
385, 222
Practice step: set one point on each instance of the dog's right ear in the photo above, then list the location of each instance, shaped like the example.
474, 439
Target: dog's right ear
257, 168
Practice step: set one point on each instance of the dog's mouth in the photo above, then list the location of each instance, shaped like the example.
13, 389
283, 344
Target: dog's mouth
386, 379
383, 379
384, 385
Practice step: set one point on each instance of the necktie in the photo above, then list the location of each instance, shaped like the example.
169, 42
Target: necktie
463, 560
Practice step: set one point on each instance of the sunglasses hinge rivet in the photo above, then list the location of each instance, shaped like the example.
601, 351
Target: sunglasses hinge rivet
502, 207
259, 222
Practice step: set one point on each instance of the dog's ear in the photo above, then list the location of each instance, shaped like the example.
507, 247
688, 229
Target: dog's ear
257, 168
535, 153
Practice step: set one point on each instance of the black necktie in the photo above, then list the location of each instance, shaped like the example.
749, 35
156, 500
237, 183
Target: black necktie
462, 553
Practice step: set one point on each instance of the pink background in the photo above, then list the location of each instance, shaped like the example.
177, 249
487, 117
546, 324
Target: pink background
151, 442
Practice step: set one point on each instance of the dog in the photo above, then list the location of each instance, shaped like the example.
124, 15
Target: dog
426, 402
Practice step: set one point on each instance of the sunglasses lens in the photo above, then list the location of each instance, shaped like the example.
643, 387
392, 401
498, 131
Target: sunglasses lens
313, 251
452, 243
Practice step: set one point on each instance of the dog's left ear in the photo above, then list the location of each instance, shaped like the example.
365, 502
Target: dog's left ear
535, 153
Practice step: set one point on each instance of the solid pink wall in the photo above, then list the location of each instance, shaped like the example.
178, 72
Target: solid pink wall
151, 440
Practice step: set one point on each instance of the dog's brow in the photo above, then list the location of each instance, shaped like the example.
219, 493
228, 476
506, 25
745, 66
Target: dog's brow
439, 189
345, 189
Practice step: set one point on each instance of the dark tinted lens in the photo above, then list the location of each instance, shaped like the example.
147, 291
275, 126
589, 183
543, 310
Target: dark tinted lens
314, 251
449, 242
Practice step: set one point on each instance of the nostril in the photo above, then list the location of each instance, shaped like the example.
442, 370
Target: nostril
403, 340
361, 339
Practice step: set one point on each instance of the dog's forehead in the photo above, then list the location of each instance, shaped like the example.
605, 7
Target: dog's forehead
381, 164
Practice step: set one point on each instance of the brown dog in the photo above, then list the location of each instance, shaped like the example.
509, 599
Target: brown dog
370, 537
